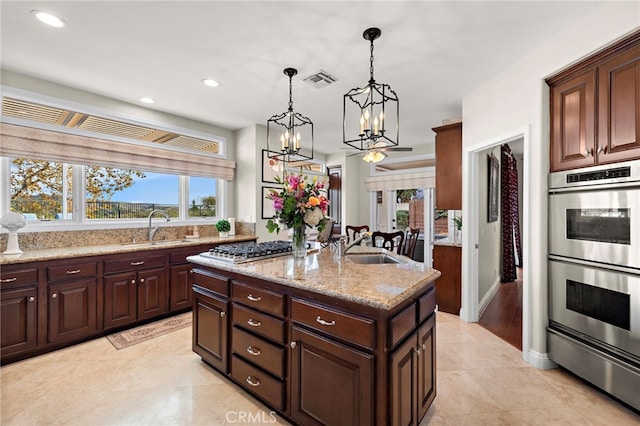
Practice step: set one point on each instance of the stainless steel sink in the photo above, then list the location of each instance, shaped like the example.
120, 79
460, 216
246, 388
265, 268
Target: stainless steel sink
155, 243
373, 258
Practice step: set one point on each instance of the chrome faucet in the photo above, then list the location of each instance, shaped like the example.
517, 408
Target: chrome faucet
152, 231
343, 247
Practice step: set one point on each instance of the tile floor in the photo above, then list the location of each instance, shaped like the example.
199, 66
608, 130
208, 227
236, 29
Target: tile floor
482, 380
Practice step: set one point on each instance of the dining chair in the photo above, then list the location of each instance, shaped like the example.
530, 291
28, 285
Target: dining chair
390, 240
410, 242
355, 231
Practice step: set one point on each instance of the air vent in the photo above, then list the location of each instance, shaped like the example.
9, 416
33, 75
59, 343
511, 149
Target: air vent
320, 79
30, 111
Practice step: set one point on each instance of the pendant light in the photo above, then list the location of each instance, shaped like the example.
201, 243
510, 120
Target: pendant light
370, 114
292, 133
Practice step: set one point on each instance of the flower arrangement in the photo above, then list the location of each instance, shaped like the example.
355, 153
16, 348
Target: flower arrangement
299, 203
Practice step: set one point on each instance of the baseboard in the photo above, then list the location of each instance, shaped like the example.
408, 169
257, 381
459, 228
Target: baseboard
489, 296
539, 360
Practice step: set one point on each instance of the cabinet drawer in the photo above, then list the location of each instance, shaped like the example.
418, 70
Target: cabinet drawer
402, 324
426, 305
349, 327
214, 282
18, 277
258, 382
77, 270
260, 352
262, 300
133, 263
259, 323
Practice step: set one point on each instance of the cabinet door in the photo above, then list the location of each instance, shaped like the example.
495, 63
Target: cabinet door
331, 384
120, 292
72, 310
404, 390
152, 293
573, 122
448, 260
619, 107
180, 287
449, 166
210, 329
19, 320
426, 383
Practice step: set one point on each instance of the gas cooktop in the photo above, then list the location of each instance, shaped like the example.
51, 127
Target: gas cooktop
247, 252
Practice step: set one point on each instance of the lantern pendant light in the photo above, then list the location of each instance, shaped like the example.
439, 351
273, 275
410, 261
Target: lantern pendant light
371, 113
290, 134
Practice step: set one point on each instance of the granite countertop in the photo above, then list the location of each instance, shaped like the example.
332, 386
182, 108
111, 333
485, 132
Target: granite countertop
95, 250
382, 286
447, 242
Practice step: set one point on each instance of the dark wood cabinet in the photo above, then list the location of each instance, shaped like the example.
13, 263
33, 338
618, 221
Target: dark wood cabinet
449, 166
180, 293
19, 320
210, 317
448, 260
314, 358
573, 109
413, 385
72, 310
595, 108
331, 384
210, 328
619, 107
135, 289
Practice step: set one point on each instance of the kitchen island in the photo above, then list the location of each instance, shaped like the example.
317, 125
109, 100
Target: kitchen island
322, 339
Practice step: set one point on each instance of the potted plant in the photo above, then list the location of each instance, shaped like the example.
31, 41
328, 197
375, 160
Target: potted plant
457, 234
223, 226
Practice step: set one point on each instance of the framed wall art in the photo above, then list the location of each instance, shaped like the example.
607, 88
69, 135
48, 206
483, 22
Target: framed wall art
494, 188
268, 212
271, 167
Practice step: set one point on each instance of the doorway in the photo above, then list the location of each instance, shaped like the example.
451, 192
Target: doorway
482, 240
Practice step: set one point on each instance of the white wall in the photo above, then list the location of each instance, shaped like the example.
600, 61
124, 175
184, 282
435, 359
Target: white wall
517, 98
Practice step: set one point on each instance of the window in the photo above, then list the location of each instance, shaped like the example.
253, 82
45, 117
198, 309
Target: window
51, 191
203, 201
40, 189
129, 194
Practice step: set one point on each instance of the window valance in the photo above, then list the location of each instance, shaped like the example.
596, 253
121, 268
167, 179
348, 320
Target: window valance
27, 142
401, 181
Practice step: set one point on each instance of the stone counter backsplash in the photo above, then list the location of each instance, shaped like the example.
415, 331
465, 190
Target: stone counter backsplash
98, 237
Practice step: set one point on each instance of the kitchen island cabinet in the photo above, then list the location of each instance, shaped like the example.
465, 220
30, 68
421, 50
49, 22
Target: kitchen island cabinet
316, 338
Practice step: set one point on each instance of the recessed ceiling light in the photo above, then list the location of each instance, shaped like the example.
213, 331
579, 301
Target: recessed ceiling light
49, 19
147, 100
210, 82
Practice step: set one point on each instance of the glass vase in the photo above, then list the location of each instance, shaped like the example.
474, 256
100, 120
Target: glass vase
299, 246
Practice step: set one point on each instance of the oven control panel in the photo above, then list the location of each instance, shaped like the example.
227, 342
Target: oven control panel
620, 172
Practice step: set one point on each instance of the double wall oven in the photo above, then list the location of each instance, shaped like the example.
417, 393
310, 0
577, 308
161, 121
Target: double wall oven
594, 276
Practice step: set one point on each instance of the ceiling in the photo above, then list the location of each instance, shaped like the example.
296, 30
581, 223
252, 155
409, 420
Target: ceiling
430, 53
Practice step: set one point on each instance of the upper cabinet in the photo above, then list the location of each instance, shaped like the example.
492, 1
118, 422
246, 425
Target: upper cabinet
449, 166
595, 108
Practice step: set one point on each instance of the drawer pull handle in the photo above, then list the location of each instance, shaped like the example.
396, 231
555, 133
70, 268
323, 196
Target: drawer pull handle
75, 271
253, 381
254, 351
137, 263
253, 323
323, 322
9, 280
32, 299
253, 298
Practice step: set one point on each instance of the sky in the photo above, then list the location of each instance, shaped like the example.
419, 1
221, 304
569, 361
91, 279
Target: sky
163, 189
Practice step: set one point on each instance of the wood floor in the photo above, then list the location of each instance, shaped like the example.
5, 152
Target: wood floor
503, 316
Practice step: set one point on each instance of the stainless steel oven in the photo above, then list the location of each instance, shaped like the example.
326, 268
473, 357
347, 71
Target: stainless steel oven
594, 214
594, 276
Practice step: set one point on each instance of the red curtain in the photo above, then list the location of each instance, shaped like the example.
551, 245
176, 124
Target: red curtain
511, 245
